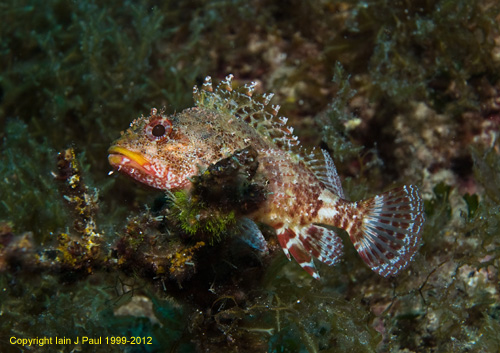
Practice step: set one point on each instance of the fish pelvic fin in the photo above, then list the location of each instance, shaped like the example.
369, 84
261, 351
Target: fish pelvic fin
251, 235
389, 233
305, 243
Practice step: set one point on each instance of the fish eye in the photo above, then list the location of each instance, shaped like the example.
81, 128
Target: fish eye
158, 129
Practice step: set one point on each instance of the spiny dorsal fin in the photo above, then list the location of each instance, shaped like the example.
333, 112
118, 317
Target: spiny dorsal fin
321, 164
252, 108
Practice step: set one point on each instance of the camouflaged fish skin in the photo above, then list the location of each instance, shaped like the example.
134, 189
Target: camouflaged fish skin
304, 189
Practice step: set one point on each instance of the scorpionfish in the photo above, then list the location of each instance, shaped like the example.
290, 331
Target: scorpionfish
304, 190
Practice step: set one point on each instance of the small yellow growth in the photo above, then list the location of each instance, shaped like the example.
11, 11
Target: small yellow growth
93, 239
180, 259
64, 255
74, 181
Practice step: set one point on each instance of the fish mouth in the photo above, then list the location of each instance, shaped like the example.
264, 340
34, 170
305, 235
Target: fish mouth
119, 156
130, 162
142, 170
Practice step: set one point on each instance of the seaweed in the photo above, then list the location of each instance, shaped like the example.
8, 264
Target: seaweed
455, 296
427, 50
85, 309
332, 320
338, 120
26, 173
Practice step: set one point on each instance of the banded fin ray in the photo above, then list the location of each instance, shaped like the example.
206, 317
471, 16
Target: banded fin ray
309, 242
390, 230
322, 165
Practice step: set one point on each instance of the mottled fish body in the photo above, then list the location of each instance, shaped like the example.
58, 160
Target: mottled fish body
304, 189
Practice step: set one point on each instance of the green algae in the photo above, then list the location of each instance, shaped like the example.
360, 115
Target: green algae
194, 217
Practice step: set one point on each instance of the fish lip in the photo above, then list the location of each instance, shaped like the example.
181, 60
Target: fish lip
120, 157
133, 156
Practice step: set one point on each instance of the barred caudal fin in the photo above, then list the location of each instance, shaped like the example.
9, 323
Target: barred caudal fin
390, 229
305, 243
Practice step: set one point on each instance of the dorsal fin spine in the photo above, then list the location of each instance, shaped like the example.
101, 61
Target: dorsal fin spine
254, 109
207, 84
267, 97
227, 82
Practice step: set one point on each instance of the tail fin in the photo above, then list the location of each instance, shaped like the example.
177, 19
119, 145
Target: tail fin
390, 229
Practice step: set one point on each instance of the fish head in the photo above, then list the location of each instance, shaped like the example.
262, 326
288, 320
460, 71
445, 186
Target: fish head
156, 151
165, 152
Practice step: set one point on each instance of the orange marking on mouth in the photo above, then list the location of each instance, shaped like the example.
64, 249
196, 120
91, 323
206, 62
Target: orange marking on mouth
116, 155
